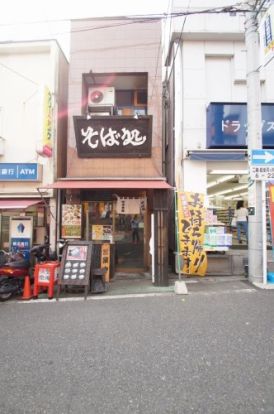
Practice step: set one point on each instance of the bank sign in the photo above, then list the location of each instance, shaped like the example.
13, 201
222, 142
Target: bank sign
20, 172
113, 136
227, 125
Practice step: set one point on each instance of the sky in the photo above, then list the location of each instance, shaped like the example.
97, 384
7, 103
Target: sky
36, 19
18, 10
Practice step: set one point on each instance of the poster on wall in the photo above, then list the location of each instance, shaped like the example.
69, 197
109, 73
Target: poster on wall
21, 230
102, 232
191, 228
271, 211
71, 221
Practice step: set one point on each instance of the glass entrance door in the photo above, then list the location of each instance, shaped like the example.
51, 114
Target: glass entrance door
129, 242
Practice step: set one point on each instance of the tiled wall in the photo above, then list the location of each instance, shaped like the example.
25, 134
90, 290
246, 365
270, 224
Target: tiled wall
129, 47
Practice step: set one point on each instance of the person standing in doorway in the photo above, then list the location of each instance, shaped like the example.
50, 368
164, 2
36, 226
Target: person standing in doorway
241, 215
135, 229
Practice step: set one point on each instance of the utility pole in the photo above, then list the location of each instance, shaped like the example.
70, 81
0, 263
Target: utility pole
254, 139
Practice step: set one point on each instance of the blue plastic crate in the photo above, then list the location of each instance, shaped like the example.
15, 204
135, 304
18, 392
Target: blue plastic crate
270, 277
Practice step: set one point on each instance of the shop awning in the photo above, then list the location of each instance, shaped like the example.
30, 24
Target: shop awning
217, 155
111, 184
11, 203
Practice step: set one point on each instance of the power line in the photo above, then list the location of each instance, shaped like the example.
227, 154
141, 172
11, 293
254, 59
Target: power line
18, 74
157, 67
179, 42
138, 18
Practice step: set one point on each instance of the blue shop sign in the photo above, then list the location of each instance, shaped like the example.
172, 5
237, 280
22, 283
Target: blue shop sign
19, 172
227, 125
21, 245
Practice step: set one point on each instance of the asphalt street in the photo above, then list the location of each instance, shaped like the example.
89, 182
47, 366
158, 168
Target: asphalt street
208, 352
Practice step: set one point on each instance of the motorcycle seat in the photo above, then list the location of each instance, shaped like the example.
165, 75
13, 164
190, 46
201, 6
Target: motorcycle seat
18, 263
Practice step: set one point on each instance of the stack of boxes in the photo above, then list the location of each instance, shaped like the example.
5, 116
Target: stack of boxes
216, 237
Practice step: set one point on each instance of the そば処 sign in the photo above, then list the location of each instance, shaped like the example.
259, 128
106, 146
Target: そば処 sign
110, 136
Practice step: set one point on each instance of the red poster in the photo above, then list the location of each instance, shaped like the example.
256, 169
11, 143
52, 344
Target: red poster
271, 210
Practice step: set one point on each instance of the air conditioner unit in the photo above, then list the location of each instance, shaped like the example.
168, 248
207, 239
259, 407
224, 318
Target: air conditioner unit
101, 96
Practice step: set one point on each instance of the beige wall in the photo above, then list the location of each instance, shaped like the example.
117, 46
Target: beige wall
26, 67
131, 47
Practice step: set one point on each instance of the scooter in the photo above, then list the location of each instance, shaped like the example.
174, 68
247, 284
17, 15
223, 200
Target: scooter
14, 268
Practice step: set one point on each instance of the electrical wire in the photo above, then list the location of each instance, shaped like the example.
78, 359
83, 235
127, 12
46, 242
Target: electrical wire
157, 67
178, 43
18, 74
141, 18
260, 6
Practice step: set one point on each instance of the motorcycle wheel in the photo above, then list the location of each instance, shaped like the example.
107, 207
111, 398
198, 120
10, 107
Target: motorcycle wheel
5, 296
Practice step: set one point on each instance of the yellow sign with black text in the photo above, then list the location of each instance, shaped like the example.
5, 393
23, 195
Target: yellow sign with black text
191, 229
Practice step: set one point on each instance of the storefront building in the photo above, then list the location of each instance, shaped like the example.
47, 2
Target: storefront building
205, 114
114, 192
33, 75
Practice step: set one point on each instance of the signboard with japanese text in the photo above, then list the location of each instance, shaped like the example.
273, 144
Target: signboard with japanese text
102, 232
47, 121
105, 259
76, 263
267, 35
227, 125
261, 164
191, 229
71, 221
10, 171
21, 230
271, 210
113, 136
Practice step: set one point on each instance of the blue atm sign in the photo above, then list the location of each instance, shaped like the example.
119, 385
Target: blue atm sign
19, 172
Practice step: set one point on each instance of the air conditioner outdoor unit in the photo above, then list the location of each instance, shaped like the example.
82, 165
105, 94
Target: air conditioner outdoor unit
101, 96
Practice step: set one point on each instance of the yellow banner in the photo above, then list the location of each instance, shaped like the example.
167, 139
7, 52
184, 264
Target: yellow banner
191, 228
47, 121
105, 259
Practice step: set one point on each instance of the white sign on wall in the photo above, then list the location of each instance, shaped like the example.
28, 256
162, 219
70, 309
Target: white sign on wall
267, 35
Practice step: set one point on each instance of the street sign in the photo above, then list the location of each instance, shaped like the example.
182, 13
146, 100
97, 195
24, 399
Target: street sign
262, 165
262, 157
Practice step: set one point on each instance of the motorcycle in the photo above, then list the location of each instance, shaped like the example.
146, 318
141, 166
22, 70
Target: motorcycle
14, 268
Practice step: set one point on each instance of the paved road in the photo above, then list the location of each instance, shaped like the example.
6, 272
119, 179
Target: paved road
208, 352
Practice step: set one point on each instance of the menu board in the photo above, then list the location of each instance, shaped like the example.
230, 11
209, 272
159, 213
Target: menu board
71, 221
76, 263
102, 232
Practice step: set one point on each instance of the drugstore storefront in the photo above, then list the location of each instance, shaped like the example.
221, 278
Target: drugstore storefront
102, 211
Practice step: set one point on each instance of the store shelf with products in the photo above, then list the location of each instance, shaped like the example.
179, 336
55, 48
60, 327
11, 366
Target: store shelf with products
225, 216
217, 239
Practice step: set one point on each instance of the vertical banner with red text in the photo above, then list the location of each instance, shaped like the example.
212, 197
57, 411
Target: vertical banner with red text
191, 228
271, 211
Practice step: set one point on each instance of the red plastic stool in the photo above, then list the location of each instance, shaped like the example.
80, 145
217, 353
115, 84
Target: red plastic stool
45, 276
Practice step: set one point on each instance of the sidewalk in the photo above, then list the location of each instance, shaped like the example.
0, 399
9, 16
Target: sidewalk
134, 285
139, 285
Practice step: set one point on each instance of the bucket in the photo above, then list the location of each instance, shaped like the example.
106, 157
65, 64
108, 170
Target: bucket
270, 277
